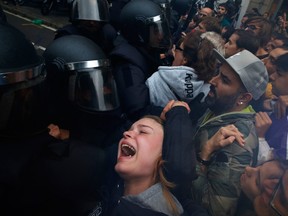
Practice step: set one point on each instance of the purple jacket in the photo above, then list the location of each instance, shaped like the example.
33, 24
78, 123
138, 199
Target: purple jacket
276, 136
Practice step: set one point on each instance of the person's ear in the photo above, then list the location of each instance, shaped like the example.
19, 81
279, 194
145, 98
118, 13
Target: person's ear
244, 98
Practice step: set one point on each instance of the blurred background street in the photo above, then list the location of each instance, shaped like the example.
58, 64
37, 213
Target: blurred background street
58, 16
38, 28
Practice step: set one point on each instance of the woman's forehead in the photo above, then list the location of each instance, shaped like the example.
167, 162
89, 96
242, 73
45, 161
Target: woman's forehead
271, 168
148, 122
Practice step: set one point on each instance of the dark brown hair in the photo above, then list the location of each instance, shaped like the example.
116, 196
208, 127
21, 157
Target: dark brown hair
211, 24
160, 177
265, 28
199, 55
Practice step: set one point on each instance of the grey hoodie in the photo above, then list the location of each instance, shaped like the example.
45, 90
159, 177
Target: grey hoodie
175, 83
153, 198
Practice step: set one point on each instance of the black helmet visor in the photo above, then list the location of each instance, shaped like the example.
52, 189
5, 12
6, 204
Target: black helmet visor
23, 102
92, 86
97, 10
12, 77
159, 33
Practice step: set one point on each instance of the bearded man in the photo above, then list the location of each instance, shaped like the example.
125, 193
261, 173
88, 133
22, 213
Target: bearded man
241, 78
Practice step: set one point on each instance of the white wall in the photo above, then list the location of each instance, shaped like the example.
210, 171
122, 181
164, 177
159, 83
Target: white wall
261, 5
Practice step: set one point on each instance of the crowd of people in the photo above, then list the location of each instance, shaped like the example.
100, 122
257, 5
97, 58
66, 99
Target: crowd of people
146, 107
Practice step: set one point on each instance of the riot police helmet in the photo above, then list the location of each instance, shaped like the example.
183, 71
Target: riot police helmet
90, 10
143, 23
22, 86
83, 66
166, 7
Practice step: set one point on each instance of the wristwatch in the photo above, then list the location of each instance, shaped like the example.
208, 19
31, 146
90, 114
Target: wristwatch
203, 162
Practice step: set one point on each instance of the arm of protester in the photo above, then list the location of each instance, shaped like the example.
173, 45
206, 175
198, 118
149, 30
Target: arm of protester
262, 124
223, 137
170, 105
178, 149
220, 164
265, 153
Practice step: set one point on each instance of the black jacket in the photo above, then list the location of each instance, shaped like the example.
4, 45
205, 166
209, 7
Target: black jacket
17, 156
131, 67
44, 176
179, 154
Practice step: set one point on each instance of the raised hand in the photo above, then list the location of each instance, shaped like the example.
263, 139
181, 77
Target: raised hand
172, 104
223, 137
262, 124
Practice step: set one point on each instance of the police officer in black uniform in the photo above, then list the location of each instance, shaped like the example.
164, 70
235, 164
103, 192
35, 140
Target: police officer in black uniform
90, 18
39, 174
82, 86
24, 116
144, 35
80, 77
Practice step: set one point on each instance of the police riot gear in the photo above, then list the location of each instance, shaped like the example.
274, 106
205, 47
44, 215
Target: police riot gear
144, 23
83, 64
94, 10
22, 86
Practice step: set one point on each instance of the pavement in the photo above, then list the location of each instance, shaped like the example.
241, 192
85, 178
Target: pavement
57, 18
